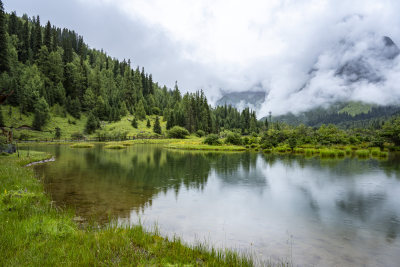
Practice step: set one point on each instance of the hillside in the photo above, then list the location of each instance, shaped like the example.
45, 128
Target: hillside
346, 115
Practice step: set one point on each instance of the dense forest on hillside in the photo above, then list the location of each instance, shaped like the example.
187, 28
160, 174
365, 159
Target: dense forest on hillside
46, 68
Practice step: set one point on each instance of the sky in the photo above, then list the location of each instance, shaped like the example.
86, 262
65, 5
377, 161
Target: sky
287, 48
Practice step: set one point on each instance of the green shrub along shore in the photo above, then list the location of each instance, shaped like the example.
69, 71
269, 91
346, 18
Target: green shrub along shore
34, 232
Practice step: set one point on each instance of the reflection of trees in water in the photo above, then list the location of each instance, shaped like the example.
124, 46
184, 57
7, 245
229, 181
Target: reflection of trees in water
238, 168
357, 202
105, 183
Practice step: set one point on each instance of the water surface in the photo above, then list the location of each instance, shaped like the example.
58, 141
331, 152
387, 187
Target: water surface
305, 210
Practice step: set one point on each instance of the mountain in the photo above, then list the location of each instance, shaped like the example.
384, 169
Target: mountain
343, 114
241, 100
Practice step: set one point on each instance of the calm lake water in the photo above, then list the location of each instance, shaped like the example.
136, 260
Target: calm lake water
305, 210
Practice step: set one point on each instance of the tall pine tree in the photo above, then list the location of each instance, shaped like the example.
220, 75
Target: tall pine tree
4, 64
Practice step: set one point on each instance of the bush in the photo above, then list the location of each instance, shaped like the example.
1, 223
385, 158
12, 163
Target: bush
212, 140
200, 133
234, 139
178, 132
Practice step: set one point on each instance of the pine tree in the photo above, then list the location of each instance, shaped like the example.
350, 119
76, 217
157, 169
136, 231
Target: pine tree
47, 36
157, 126
4, 64
148, 125
140, 111
1, 118
134, 123
38, 38
23, 53
92, 124
41, 114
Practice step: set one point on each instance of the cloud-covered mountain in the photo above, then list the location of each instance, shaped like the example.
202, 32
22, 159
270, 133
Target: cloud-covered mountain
342, 73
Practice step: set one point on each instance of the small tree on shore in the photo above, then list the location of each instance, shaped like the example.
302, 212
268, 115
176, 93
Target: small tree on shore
92, 124
134, 123
157, 126
41, 114
1, 118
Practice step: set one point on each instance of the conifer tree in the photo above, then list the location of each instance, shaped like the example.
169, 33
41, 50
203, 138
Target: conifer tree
41, 114
47, 36
4, 64
92, 123
148, 125
38, 37
1, 118
157, 126
134, 123
23, 53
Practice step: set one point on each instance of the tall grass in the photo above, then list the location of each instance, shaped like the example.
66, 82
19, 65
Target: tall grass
362, 153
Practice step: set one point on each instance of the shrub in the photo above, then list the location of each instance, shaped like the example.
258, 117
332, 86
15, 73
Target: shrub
178, 132
234, 139
200, 133
212, 140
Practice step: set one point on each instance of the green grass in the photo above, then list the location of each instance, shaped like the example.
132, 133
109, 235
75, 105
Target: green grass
35, 233
362, 153
383, 154
375, 151
327, 153
206, 147
115, 146
82, 145
70, 125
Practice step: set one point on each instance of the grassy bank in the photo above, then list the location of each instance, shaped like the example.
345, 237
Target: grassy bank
34, 232
69, 125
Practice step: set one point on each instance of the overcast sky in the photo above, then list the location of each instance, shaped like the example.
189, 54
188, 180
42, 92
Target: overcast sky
236, 45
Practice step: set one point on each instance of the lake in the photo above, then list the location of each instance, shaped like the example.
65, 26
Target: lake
303, 210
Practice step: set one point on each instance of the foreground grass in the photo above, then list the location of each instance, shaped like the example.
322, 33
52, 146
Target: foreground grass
33, 232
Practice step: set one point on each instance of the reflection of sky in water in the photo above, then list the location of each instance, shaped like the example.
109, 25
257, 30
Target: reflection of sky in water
343, 213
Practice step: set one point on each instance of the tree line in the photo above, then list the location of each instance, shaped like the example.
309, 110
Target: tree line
49, 68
